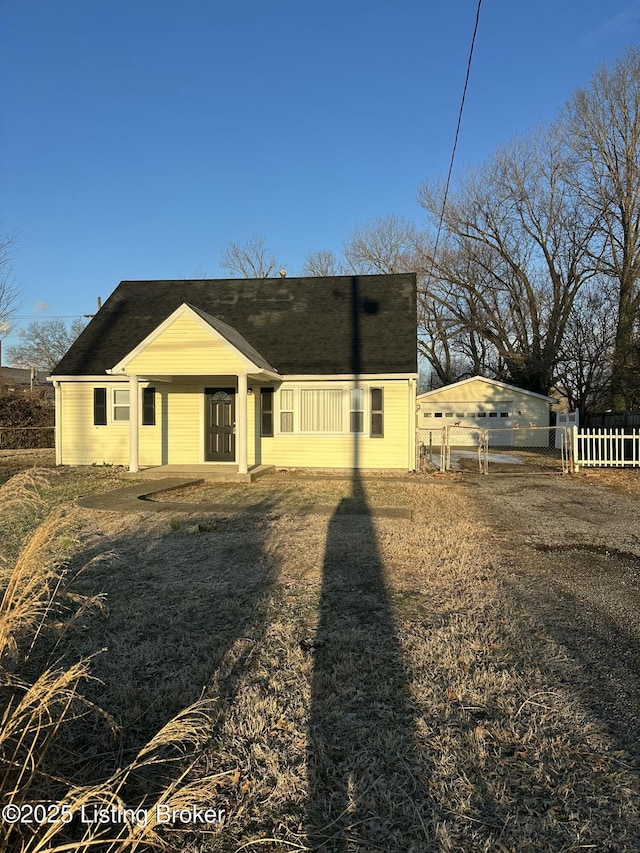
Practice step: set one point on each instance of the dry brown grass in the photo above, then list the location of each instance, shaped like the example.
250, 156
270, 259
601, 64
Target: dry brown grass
51, 793
29, 495
625, 481
375, 684
14, 461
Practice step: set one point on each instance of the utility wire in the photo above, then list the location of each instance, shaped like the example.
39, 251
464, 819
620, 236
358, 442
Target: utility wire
455, 142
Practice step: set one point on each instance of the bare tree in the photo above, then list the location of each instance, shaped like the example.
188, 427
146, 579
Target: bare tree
515, 253
44, 343
250, 259
584, 367
389, 244
9, 290
321, 263
393, 244
603, 128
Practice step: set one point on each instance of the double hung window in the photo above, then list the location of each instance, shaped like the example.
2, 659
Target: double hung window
120, 406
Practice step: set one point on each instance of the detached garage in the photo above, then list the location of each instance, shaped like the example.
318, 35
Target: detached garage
476, 404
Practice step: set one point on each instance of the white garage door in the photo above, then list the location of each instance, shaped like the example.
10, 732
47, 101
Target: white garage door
470, 418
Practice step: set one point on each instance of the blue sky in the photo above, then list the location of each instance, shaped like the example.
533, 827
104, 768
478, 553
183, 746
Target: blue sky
140, 136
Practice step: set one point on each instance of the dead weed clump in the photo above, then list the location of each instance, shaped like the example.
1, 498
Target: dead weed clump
52, 801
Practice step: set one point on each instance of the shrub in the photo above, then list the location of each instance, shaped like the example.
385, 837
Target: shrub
26, 419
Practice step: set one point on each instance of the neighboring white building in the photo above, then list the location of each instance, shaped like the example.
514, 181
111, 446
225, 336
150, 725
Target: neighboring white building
480, 403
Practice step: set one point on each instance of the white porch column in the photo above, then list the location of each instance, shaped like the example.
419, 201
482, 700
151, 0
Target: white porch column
134, 425
58, 421
242, 421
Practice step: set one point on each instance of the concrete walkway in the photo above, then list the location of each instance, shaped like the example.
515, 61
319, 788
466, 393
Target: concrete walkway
138, 498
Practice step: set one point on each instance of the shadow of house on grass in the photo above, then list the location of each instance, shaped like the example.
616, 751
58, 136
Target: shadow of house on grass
365, 783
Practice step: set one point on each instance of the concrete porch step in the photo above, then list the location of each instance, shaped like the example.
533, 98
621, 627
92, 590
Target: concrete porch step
227, 474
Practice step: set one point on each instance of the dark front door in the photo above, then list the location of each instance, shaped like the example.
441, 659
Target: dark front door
220, 414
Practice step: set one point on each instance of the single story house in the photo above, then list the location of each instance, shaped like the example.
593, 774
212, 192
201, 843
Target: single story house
477, 403
291, 372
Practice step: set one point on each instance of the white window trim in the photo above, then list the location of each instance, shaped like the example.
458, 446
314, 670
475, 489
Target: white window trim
111, 403
115, 405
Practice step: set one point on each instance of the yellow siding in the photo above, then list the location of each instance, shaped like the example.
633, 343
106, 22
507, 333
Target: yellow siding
83, 443
186, 348
178, 434
341, 451
485, 393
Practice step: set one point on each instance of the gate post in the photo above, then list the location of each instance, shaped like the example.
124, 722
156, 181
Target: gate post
443, 451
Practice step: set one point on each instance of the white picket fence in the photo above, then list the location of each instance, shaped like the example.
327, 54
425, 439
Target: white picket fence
572, 448
606, 448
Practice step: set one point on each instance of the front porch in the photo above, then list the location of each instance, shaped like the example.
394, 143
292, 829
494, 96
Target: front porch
217, 473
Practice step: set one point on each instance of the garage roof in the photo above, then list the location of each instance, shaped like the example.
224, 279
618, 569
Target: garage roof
493, 382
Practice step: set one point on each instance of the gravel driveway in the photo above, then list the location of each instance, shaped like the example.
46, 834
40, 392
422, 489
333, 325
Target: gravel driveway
570, 553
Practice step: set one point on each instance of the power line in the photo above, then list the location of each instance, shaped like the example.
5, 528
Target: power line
455, 142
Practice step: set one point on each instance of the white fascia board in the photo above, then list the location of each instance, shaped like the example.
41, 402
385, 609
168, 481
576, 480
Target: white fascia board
346, 377
121, 366
265, 374
101, 378
146, 377
107, 379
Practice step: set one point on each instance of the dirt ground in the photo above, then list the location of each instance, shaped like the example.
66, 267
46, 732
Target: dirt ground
572, 548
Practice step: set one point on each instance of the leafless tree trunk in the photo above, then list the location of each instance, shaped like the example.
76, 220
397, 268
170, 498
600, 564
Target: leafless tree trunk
584, 368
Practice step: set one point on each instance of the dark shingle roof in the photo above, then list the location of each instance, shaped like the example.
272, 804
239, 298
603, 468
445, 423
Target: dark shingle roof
338, 324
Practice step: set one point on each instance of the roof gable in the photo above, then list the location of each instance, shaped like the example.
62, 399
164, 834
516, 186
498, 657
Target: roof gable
494, 383
312, 326
234, 339
157, 353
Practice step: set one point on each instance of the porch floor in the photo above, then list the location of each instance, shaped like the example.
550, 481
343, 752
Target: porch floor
221, 474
